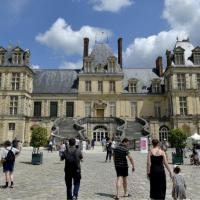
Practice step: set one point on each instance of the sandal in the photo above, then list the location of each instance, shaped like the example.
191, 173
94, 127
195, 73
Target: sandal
116, 197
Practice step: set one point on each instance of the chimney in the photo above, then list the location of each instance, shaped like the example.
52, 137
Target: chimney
85, 48
120, 52
159, 66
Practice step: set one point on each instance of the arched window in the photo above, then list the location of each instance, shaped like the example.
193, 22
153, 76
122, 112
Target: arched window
163, 133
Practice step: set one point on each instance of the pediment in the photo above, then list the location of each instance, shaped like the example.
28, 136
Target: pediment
196, 49
179, 49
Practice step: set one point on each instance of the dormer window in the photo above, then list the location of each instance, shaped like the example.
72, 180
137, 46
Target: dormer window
179, 58
132, 85
111, 64
156, 88
196, 57
132, 88
17, 58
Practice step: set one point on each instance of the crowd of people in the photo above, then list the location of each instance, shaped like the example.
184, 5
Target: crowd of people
71, 151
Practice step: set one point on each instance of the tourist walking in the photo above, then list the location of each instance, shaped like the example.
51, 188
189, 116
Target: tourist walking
179, 185
72, 156
8, 155
92, 144
156, 159
120, 155
108, 150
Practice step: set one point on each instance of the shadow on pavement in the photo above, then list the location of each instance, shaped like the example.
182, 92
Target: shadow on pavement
105, 195
26, 162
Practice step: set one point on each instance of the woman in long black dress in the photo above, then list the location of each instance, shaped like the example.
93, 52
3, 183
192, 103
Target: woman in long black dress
156, 160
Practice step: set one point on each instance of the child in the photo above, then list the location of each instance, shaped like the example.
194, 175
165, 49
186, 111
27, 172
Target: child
179, 186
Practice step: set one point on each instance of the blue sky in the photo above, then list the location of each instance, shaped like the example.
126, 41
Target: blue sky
54, 30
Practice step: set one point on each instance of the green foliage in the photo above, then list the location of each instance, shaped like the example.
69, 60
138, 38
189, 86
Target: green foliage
38, 137
177, 138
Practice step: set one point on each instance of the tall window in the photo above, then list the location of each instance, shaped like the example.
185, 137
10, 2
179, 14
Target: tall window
132, 87
157, 109
196, 57
112, 109
88, 87
13, 105
156, 87
181, 81
163, 133
198, 81
100, 86
112, 86
11, 126
88, 109
134, 109
69, 109
53, 109
183, 105
17, 58
179, 58
15, 81
37, 108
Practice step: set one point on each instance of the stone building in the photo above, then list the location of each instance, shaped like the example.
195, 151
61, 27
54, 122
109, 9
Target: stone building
103, 97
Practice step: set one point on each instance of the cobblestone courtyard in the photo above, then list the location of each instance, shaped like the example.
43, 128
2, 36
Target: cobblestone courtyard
46, 181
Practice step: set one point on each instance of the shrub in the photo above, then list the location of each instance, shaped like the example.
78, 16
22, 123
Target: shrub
38, 138
177, 138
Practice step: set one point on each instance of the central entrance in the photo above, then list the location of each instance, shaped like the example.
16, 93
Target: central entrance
99, 133
100, 112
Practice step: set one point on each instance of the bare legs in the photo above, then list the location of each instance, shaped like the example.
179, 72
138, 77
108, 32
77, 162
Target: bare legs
118, 185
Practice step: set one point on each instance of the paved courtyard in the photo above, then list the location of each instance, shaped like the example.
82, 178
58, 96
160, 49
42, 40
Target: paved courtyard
46, 181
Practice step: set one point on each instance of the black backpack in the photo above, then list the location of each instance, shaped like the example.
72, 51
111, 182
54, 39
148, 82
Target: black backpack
10, 158
70, 159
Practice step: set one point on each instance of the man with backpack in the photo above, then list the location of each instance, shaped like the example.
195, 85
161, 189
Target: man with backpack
8, 159
72, 157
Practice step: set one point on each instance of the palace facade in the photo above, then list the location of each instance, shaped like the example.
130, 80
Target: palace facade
103, 97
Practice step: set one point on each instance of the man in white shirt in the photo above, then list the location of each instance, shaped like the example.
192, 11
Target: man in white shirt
8, 154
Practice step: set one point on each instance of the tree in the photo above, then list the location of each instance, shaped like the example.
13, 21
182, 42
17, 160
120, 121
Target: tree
38, 138
177, 138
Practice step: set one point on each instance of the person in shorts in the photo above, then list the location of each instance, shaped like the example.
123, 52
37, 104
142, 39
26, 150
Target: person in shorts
120, 155
8, 165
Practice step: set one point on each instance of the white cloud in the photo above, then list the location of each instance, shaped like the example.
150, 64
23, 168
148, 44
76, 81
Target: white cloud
71, 65
110, 5
35, 67
61, 37
183, 18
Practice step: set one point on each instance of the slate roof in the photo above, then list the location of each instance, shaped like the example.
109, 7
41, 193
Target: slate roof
100, 53
144, 77
55, 81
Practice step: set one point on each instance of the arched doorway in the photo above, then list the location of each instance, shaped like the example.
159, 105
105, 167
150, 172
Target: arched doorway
163, 133
100, 132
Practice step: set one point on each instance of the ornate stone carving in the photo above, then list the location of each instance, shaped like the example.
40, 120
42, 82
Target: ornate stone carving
100, 104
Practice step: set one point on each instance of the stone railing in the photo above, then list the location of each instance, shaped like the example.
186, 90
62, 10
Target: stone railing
145, 124
79, 124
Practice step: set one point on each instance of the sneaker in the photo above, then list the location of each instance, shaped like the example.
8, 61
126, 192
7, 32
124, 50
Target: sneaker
75, 198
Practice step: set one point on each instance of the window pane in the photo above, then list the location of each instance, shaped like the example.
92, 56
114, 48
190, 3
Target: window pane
37, 109
53, 109
69, 109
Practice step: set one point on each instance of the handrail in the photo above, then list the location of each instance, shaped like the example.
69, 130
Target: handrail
145, 124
